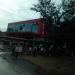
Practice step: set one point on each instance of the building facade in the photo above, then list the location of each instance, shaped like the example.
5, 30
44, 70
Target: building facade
31, 27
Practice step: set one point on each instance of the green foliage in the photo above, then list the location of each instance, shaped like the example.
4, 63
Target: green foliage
52, 14
59, 32
46, 8
68, 7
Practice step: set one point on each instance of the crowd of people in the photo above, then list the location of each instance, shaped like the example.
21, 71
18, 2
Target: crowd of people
44, 50
18, 49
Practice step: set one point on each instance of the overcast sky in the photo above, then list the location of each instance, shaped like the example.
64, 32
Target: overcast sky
17, 10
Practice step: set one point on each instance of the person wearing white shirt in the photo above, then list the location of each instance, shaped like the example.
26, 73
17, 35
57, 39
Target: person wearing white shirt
18, 50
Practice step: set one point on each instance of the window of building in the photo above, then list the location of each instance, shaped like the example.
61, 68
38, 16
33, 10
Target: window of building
34, 28
44, 28
21, 27
17, 27
16, 30
10, 30
28, 27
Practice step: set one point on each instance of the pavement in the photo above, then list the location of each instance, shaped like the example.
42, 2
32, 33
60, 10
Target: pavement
59, 65
30, 65
15, 66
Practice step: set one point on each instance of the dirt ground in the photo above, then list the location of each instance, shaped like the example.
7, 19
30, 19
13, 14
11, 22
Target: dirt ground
53, 65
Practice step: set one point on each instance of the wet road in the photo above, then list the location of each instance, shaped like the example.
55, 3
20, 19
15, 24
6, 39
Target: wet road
13, 66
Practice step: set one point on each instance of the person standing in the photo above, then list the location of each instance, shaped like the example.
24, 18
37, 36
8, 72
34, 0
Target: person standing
34, 50
13, 49
40, 46
18, 50
42, 50
30, 50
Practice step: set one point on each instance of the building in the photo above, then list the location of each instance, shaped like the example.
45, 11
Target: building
30, 30
27, 29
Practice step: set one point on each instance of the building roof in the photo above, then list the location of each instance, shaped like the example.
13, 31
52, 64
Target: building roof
27, 21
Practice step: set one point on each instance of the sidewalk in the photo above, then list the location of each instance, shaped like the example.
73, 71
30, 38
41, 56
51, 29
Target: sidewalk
45, 62
48, 65
54, 65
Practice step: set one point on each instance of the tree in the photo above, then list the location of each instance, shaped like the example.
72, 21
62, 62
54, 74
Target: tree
52, 13
68, 27
49, 13
52, 16
68, 7
46, 9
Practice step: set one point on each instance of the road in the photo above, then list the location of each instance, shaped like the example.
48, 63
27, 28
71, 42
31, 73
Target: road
12, 66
